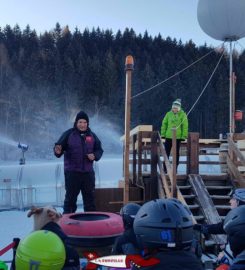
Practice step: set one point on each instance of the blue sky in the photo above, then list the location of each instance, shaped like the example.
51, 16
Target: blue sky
174, 18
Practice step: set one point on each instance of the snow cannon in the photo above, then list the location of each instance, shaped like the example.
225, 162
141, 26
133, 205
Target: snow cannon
24, 148
42, 250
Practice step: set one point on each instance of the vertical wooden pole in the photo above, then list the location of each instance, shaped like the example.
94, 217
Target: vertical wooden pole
139, 173
174, 165
154, 159
193, 153
129, 66
134, 159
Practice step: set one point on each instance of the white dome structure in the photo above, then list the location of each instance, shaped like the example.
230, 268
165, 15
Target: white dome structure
222, 19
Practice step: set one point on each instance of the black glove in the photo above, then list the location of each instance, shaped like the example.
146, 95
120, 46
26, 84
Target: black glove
182, 139
197, 227
201, 228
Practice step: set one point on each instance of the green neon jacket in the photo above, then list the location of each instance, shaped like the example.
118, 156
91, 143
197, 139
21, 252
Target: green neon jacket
178, 120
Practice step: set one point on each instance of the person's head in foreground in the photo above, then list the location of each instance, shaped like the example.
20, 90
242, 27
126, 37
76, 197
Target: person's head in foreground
164, 224
237, 197
128, 213
234, 226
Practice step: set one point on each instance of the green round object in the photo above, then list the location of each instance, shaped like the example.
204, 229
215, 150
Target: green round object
40, 250
3, 266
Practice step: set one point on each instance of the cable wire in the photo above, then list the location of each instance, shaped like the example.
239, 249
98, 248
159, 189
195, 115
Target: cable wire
177, 73
206, 85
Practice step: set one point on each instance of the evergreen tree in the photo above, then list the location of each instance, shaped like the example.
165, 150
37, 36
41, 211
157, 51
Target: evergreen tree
46, 79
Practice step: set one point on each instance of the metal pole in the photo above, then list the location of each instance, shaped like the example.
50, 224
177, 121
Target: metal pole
233, 100
129, 66
231, 129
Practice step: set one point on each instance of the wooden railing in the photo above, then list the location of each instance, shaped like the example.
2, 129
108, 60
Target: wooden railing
236, 160
143, 152
148, 156
167, 186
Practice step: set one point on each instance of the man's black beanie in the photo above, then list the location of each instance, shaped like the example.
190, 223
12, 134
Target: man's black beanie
82, 115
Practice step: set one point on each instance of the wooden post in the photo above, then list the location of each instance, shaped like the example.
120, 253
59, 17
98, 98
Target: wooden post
193, 153
230, 149
174, 152
140, 178
154, 160
129, 66
134, 159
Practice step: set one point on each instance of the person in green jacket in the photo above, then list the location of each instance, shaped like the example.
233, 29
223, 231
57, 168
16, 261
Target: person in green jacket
176, 118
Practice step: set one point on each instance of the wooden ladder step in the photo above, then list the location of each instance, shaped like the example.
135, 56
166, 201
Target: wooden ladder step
193, 206
199, 218
190, 196
226, 197
222, 176
226, 207
184, 187
219, 187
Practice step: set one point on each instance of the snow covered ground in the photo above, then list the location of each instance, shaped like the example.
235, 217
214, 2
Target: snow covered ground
16, 224
13, 224
45, 177
42, 182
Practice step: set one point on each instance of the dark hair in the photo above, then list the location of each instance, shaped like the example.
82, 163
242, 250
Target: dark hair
81, 115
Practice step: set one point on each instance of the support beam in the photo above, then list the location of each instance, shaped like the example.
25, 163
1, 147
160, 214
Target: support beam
129, 66
193, 153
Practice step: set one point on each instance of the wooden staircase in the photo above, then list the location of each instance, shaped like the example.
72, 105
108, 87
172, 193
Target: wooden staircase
218, 187
208, 198
206, 195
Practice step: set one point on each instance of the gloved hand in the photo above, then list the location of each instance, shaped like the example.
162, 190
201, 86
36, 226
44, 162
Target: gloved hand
182, 139
201, 228
197, 227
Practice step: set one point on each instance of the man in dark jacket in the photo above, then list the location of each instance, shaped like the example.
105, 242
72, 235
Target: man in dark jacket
81, 147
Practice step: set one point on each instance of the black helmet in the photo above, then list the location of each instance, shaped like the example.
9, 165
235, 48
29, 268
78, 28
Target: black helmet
164, 223
234, 225
128, 213
239, 195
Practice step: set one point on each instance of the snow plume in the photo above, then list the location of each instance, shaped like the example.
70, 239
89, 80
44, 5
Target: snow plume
46, 125
8, 148
108, 133
8, 141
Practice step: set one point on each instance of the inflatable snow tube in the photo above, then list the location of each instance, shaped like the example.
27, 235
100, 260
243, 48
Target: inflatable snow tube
92, 229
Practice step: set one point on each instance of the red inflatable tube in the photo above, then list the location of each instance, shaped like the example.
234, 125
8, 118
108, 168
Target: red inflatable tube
92, 229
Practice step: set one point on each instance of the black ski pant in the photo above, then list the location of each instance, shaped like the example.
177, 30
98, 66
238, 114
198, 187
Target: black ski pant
168, 147
76, 182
